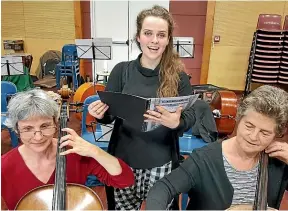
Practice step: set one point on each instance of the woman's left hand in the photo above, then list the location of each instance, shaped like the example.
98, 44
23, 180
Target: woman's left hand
278, 149
77, 144
164, 117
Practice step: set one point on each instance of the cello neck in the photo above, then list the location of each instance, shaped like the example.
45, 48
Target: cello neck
260, 202
59, 192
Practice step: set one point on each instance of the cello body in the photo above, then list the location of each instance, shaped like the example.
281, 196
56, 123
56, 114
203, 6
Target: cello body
79, 197
84, 91
225, 102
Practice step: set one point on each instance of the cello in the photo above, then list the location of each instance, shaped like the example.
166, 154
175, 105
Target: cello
260, 200
85, 90
61, 195
224, 109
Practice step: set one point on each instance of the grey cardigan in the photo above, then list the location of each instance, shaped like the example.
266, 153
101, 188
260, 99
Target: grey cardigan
203, 176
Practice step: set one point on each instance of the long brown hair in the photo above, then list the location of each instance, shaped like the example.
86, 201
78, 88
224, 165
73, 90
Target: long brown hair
170, 64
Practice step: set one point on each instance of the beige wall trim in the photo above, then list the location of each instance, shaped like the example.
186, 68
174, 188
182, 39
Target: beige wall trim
78, 19
79, 30
207, 41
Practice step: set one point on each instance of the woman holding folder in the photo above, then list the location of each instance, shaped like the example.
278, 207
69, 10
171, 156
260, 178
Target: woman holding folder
157, 72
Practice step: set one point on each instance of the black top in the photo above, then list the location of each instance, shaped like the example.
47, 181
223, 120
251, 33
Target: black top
144, 149
203, 175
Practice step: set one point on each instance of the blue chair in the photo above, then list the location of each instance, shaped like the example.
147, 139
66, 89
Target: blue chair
69, 66
69, 50
85, 134
68, 69
187, 143
92, 180
7, 89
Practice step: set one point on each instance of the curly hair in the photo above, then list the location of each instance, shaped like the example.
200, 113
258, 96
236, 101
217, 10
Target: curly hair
170, 64
269, 101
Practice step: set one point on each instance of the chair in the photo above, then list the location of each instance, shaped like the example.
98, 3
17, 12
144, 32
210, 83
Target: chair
85, 134
69, 66
68, 69
283, 70
92, 180
104, 75
266, 52
7, 89
285, 26
69, 50
187, 144
270, 22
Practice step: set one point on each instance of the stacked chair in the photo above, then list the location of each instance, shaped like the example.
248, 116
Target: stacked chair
267, 55
68, 67
283, 71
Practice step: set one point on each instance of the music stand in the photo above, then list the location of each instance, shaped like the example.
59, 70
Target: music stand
12, 65
95, 49
184, 46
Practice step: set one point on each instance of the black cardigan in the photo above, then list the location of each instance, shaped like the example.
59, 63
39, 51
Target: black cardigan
203, 176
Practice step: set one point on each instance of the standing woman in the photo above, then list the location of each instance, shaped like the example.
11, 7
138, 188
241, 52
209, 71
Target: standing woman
157, 72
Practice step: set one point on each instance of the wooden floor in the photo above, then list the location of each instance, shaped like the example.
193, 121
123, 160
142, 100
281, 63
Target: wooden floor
75, 124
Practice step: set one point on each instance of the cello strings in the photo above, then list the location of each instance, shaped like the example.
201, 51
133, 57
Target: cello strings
59, 192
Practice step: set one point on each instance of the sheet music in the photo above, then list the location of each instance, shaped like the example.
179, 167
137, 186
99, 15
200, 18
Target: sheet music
15, 65
171, 104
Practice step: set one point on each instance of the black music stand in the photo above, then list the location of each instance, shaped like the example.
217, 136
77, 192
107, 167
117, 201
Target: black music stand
95, 49
184, 46
12, 65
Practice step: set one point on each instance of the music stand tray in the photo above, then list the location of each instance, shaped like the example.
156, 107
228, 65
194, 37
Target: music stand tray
96, 48
184, 46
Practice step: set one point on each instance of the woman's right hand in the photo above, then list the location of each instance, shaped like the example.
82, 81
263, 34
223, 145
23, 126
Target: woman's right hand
98, 109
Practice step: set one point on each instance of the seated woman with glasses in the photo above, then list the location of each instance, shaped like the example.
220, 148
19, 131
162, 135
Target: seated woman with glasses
33, 115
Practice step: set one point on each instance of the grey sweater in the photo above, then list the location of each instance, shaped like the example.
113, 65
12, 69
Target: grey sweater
203, 176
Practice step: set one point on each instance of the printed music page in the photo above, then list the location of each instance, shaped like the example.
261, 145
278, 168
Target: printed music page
169, 103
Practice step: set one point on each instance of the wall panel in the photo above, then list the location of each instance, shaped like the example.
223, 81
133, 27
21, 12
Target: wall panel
235, 23
43, 25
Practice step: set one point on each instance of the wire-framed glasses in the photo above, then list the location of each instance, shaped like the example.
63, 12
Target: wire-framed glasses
45, 131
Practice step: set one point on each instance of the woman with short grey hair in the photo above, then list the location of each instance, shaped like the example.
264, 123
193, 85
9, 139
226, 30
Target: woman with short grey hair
33, 115
224, 174
36, 102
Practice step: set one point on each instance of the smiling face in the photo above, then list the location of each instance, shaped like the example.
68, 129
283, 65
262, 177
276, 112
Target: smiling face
255, 132
40, 141
153, 38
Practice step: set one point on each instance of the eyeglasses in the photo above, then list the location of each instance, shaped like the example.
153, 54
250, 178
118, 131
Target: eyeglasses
47, 131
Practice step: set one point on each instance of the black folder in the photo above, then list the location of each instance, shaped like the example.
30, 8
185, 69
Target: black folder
127, 107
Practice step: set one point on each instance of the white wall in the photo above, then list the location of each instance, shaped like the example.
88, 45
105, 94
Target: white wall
117, 20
